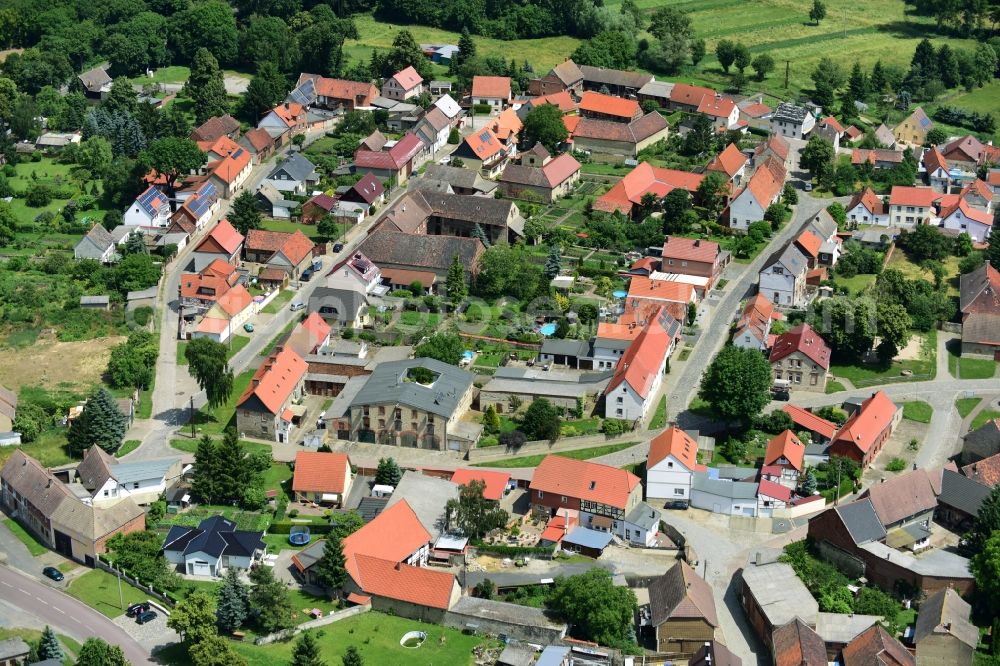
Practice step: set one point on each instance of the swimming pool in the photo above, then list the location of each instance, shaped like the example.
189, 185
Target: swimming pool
619, 294
467, 355
547, 329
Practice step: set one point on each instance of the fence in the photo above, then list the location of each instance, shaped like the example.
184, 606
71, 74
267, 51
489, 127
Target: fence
267, 299
134, 582
312, 624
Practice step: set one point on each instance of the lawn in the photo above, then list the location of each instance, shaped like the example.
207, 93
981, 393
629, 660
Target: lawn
902, 263
276, 476
855, 284
577, 427
833, 386
215, 421
983, 100
181, 347
49, 449
172, 74
966, 405
377, 638
278, 302
70, 646
290, 227
918, 410
984, 416
660, 415
34, 546
921, 369
579, 454
99, 590
417, 319
245, 520
127, 447
969, 367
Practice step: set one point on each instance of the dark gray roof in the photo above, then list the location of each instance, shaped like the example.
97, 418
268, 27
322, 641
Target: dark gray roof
99, 237
471, 209
386, 384
945, 612
94, 79
971, 285
459, 177
961, 492
371, 507
395, 248
345, 303
644, 516
981, 443
790, 113
615, 77
430, 185
565, 347
297, 167
680, 584
215, 536
823, 225
861, 521
731, 489
588, 538
13, 647
790, 257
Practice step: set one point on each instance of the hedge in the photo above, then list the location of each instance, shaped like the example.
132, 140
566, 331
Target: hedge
482, 108
513, 551
286, 528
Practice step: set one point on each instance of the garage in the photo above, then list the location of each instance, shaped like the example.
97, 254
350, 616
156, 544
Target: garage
199, 568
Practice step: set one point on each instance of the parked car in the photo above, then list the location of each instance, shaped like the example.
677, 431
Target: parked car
248, 327
298, 305
306, 275
809, 186
134, 610
317, 265
337, 247
53, 573
145, 616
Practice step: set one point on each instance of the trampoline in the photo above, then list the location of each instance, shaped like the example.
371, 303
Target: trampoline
299, 536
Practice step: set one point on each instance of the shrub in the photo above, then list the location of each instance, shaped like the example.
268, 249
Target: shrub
613, 427
38, 195
482, 108
142, 315
513, 439
896, 465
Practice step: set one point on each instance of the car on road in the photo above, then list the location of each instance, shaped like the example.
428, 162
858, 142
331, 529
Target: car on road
337, 247
445, 160
137, 609
298, 305
145, 616
809, 186
248, 327
53, 573
677, 504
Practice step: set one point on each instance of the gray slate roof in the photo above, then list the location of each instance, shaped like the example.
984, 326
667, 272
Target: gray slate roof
297, 167
945, 612
427, 496
790, 257
94, 244
790, 113
645, 517
386, 385
615, 77
459, 177
346, 302
961, 492
861, 521
565, 347
729, 489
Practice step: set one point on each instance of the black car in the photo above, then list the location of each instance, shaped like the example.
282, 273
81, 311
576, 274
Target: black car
306, 275
145, 616
53, 573
337, 247
137, 609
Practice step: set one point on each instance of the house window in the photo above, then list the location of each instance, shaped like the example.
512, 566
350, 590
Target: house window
620, 400
679, 492
684, 263
562, 499
105, 493
619, 412
541, 494
670, 464
778, 270
135, 485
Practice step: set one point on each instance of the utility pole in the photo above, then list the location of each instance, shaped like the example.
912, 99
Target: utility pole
121, 599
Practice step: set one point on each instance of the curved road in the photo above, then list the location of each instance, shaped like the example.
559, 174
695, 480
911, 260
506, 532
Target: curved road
69, 616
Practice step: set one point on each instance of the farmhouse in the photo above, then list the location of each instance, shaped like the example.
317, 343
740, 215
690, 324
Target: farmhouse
682, 614
265, 409
866, 432
615, 138
626, 195
670, 465
403, 85
800, 359
792, 121
491, 90
867, 208
914, 128
764, 188
539, 177
639, 373
322, 478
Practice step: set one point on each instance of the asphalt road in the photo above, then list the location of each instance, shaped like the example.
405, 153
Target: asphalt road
66, 614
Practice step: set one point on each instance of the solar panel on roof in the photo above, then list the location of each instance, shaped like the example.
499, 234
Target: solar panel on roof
484, 137
150, 201
237, 152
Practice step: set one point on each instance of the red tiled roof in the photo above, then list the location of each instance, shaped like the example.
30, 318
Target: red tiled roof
852, 132
400, 523
558, 526
803, 338
810, 242
562, 99
235, 301
571, 122
875, 646
717, 106
408, 78
683, 93
595, 102
491, 87
965, 149
862, 155
644, 179
864, 427
663, 290
764, 186
320, 472
275, 379
785, 445
317, 327
977, 187
288, 112
212, 325
974, 214
904, 496
218, 277
560, 169
259, 139
832, 122
416, 585
610, 130
870, 201
769, 488
756, 110
934, 160
584, 480
690, 249
648, 264
985, 471
674, 442
484, 144
343, 90
729, 161
496, 482
756, 315
641, 363
776, 145
324, 200
810, 421
912, 196
401, 153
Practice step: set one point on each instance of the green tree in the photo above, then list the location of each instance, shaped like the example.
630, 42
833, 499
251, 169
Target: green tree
331, 569
612, 49
541, 421
208, 362
206, 87
266, 90
133, 362
206, 465
985, 566
101, 423
986, 522
818, 11
95, 652
352, 657
711, 193
544, 124
388, 472
232, 608
676, 206
992, 252
172, 158
405, 52
775, 215
789, 195
491, 421
466, 48
817, 157
455, 284
122, 97
472, 513
484, 589
737, 383
306, 652
214, 650
848, 325
595, 608
827, 77
809, 483
194, 617
894, 326
444, 347
553, 264
697, 51
269, 597
700, 139
763, 65
245, 214
725, 52
205, 25
344, 524
49, 647
925, 243
667, 21
741, 57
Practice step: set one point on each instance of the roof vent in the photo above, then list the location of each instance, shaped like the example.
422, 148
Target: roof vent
593, 484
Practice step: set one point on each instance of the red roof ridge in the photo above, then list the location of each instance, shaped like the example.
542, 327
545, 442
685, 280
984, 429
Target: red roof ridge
318, 471
674, 441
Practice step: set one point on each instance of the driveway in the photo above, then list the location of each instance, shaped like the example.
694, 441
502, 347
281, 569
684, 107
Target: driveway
151, 635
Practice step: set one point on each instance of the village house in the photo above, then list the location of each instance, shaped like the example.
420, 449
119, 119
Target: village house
284, 121
771, 495
259, 144
985, 472
293, 174
356, 272
682, 614
753, 329
198, 204
215, 128
879, 158
229, 312
639, 373
731, 163
150, 209
97, 244
764, 188
460, 180
615, 138
57, 515
867, 430
797, 643
876, 645
792, 121
726, 496
782, 279
292, 253
266, 410
414, 402
820, 429
322, 478
393, 251
512, 387
562, 99
670, 466
688, 98
693, 256
914, 128
867, 208
800, 359
909, 206
964, 153
959, 500
403, 85
433, 129
230, 171
309, 336
943, 633
564, 77
201, 290
273, 203
395, 161
367, 192
539, 177
963, 218
774, 148
602, 495
721, 110
982, 443
605, 107
626, 195
979, 293
95, 82
317, 207
756, 114
334, 94
344, 307
483, 152
491, 90
647, 296
108, 480
772, 596
830, 129
784, 459
420, 212
213, 547
617, 82
496, 485
809, 245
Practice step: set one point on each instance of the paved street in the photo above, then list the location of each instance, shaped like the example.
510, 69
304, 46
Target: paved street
66, 614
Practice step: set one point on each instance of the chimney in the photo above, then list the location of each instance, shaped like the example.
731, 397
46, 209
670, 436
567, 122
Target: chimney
757, 558
256, 383
947, 626
286, 105
697, 242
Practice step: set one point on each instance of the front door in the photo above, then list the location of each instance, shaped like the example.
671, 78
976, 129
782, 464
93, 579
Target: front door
64, 544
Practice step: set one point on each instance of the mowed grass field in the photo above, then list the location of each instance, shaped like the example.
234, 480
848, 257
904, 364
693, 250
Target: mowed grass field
865, 32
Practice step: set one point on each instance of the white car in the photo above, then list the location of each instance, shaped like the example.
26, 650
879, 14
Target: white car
298, 305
